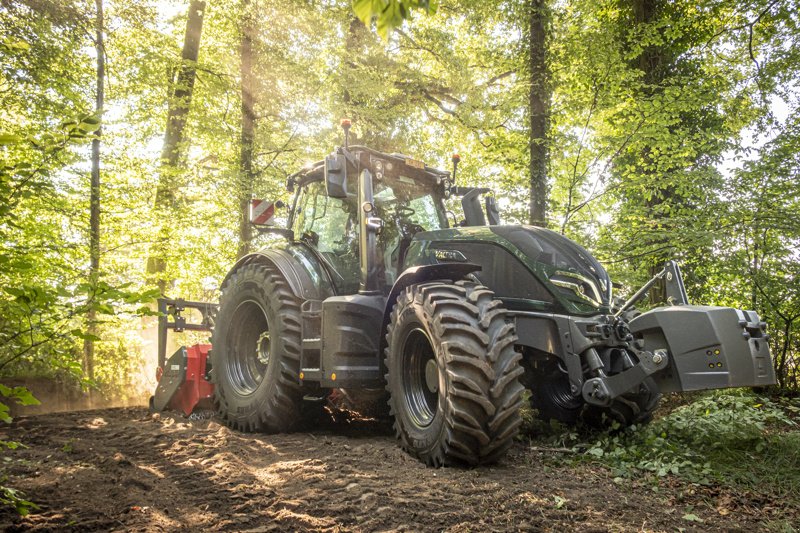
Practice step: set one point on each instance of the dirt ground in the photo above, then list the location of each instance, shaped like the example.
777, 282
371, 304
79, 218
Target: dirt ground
124, 469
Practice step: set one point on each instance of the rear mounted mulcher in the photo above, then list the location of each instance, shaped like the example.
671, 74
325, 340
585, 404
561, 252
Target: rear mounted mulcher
184, 382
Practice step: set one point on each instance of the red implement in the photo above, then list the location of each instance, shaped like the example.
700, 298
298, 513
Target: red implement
182, 384
195, 388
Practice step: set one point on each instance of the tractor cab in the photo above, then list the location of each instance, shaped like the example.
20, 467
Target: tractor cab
407, 198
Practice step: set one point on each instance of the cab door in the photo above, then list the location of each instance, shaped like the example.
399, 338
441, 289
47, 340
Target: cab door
330, 227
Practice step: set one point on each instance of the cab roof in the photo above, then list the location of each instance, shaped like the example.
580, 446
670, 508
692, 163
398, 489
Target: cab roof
364, 157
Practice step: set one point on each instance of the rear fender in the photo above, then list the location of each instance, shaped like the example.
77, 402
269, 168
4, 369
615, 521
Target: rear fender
709, 347
300, 269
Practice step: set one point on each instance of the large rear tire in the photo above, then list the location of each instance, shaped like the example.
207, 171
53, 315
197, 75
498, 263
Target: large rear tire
453, 374
256, 352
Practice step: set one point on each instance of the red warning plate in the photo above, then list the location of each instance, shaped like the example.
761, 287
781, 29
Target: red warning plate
262, 212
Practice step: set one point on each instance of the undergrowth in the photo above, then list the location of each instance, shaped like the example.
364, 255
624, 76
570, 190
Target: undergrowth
733, 437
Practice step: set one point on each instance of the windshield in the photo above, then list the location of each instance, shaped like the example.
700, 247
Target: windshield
330, 225
406, 207
402, 199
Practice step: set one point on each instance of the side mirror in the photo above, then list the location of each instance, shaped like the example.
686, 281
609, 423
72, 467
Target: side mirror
336, 176
473, 214
492, 213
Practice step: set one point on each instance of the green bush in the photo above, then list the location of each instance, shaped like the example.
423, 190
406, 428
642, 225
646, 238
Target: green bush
722, 435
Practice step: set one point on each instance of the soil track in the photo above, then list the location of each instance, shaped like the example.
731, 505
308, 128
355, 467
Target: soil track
124, 469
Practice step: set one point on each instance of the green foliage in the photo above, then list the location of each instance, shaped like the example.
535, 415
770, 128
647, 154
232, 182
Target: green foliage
8, 495
731, 436
16, 499
390, 14
19, 394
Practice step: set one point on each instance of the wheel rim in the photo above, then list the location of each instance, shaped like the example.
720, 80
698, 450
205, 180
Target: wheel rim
420, 378
249, 347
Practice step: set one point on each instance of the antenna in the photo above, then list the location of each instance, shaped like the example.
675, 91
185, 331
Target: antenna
345, 124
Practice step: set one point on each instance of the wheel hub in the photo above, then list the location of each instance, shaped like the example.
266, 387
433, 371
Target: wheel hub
432, 375
420, 378
262, 348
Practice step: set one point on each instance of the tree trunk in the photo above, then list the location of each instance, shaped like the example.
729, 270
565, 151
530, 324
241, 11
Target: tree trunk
539, 111
177, 114
94, 195
651, 62
246, 177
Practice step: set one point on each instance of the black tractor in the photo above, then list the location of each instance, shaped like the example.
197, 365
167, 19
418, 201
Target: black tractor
375, 292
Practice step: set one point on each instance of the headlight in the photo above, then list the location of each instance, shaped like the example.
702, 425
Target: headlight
581, 286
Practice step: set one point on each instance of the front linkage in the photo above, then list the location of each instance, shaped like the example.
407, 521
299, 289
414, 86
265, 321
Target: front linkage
619, 362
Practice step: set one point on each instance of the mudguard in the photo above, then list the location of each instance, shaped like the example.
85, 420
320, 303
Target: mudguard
421, 274
299, 266
709, 347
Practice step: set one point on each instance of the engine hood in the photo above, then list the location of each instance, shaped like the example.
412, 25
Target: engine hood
569, 273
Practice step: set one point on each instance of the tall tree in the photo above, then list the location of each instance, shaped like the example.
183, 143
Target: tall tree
247, 81
177, 115
94, 195
670, 132
538, 110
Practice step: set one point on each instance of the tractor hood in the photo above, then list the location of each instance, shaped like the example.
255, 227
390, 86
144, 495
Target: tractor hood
528, 267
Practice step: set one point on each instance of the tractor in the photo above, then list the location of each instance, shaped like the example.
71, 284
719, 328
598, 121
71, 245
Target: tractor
375, 290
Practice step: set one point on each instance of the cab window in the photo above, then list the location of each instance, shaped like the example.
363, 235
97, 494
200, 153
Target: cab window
330, 225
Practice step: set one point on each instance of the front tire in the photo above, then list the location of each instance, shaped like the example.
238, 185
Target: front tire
551, 396
256, 352
453, 374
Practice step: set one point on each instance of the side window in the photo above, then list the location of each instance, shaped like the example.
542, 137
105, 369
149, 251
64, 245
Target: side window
331, 226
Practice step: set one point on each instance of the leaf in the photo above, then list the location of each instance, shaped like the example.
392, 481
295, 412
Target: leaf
143, 297
390, 14
559, 501
105, 309
146, 311
4, 416
25, 397
22, 265
17, 45
363, 10
8, 138
597, 452
692, 518
21, 394
85, 336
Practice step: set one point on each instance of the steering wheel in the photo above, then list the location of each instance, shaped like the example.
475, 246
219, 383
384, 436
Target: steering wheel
408, 228
404, 211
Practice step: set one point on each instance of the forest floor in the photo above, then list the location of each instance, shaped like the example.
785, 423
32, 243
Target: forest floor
125, 469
